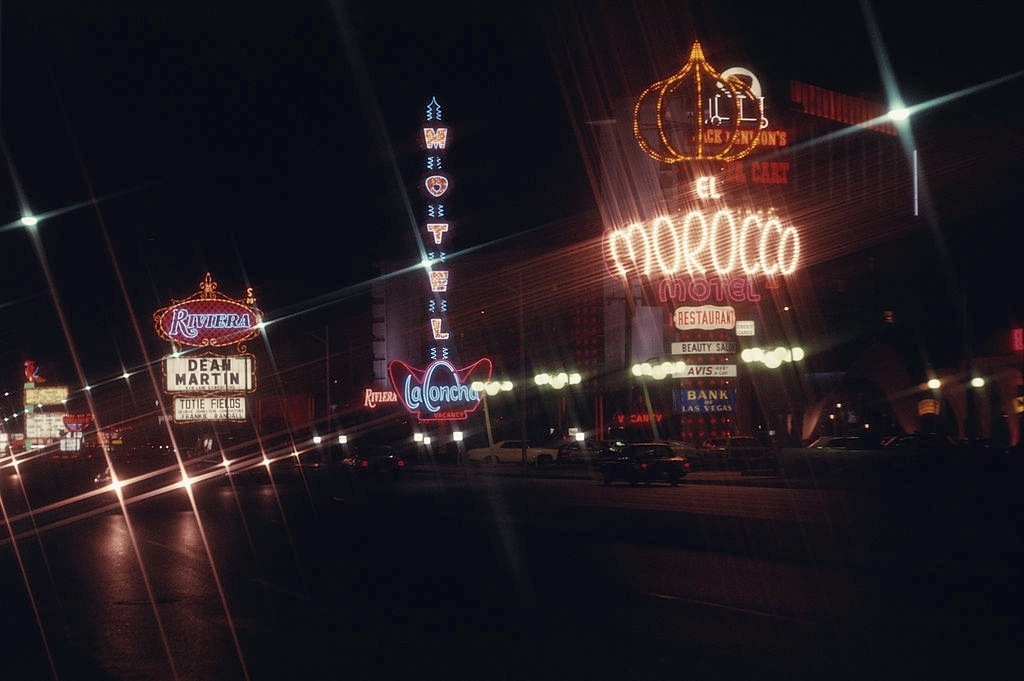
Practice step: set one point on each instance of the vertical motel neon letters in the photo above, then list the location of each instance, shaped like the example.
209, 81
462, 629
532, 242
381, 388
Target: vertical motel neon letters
437, 185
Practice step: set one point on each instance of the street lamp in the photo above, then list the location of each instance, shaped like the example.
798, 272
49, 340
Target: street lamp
457, 437
326, 340
491, 388
558, 381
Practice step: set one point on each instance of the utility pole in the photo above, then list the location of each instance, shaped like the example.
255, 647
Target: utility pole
327, 376
522, 372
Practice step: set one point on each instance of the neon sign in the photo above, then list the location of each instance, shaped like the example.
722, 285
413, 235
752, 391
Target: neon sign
372, 398
440, 392
699, 243
662, 110
209, 318
437, 184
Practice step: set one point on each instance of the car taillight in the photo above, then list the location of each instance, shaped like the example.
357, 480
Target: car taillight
643, 465
400, 463
364, 463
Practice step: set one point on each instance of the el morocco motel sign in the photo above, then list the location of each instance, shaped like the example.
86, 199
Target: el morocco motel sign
700, 243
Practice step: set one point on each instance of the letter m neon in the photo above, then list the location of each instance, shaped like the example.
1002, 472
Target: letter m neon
435, 138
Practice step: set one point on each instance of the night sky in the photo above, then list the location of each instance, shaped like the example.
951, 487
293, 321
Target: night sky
274, 144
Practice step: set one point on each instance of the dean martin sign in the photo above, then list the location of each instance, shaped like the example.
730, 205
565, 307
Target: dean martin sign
210, 374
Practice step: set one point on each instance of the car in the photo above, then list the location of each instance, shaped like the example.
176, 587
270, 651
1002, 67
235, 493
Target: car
922, 442
310, 461
583, 451
740, 452
379, 461
511, 451
103, 477
843, 443
643, 462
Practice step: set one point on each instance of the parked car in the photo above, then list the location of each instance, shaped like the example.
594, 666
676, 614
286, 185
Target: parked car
643, 462
584, 451
844, 443
688, 450
511, 451
921, 442
740, 452
379, 461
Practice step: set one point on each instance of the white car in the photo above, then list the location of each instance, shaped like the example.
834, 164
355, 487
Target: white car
511, 451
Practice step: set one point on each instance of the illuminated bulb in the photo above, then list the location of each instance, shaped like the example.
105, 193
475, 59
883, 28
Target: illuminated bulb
899, 114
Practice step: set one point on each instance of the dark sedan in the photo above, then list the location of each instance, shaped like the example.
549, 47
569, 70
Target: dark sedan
644, 462
378, 461
740, 453
585, 451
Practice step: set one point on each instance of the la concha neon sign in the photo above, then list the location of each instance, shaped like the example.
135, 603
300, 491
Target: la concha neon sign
439, 392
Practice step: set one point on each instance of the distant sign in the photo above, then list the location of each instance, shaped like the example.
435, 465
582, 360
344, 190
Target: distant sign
209, 373
43, 426
704, 348
708, 371
704, 401
53, 394
704, 317
209, 409
745, 327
